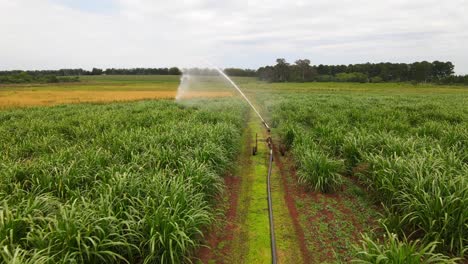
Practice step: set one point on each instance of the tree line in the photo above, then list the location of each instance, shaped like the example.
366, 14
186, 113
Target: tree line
72, 75
24, 77
141, 71
300, 71
98, 71
303, 71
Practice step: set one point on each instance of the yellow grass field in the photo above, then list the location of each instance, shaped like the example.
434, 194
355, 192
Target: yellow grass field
98, 89
11, 99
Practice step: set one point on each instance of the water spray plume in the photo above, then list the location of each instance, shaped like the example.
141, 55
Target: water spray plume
183, 86
241, 93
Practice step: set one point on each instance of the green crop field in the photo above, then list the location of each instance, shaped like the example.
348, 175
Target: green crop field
412, 151
408, 147
372, 172
124, 182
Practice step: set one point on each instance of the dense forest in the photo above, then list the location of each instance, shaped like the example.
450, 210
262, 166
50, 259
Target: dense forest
72, 75
303, 71
97, 71
141, 71
417, 72
24, 77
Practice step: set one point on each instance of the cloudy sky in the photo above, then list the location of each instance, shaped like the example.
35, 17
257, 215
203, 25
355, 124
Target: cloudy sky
52, 34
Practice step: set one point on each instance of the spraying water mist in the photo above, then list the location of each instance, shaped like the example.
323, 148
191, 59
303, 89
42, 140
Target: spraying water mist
185, 81
243, 95
183, 86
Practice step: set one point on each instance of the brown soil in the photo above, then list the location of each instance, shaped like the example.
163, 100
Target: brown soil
324, 253
224, 232
220, 238
317, 247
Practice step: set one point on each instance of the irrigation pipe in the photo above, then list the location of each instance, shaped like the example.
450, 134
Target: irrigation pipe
270, 207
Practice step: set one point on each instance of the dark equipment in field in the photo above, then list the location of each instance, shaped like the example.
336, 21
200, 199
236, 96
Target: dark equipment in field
282, 149
255, 148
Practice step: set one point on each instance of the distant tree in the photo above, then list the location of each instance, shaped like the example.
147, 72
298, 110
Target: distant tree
282, 70
96, 71
421, 71
25, 77
305, 68
335, 69
401, 72
323, 70
266, 74
174, 71
240, 72
294, 73
454, 79
441, 70
385, 71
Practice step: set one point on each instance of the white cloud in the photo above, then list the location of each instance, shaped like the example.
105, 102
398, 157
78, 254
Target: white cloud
148, 33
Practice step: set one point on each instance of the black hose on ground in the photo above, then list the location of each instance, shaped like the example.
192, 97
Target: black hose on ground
270, 206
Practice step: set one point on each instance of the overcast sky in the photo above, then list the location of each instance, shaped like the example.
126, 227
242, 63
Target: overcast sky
52, 34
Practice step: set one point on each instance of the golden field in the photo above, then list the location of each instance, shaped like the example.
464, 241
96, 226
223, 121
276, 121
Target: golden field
11, 99
98, 89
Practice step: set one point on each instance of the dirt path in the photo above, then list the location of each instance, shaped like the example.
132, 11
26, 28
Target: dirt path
244, 237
